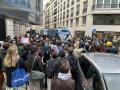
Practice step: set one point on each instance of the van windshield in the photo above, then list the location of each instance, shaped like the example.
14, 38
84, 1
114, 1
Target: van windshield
64, 34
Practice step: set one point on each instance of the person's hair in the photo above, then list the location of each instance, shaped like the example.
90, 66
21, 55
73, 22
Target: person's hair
62, 54
11, 56
6, 45
33, 49
70, 50
64, 67
54, 55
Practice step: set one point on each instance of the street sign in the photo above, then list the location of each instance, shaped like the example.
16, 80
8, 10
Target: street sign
94, 30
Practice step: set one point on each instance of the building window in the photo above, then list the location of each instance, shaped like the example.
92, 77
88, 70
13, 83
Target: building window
67, 23
64, 5
60, 24
84, 20
77, 21
58, 17
67, 14
71, 22
63, 23
114, 4
106, 19
99, 3
106, 3
78, 1
55, 19
58, 9
85, 5
55, 4
72, 12
77, 9
68, 3
61, 8
63, 15
72, 2
19, 2
55, 11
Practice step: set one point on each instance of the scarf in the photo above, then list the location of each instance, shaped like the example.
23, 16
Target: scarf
64, 76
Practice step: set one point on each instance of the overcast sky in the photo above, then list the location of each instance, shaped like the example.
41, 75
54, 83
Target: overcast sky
44, 2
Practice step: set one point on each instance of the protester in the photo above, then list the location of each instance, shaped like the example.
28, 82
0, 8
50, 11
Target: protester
1, 75
74, 66
114, 49
52, 69
34, 63
11, 62
63, 81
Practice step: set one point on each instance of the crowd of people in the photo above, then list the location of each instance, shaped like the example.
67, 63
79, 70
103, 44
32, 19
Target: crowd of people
54, 59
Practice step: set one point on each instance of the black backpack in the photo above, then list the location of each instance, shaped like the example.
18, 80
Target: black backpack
51, 68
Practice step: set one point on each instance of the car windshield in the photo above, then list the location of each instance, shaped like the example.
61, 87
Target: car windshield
112, 81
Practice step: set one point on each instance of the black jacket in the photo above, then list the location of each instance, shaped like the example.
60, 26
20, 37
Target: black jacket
38, 65
52, 68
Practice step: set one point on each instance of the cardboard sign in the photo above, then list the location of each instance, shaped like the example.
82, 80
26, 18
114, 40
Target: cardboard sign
25, 40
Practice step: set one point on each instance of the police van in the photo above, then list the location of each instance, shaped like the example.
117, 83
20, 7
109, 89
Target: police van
60, 33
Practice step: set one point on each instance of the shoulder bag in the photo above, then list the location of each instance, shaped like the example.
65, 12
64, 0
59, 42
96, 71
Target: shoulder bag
36, 75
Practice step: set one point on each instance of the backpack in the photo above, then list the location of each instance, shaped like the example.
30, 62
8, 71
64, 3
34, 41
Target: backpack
51, 68
19, 77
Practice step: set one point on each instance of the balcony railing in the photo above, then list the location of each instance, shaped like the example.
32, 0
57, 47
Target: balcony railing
108, 6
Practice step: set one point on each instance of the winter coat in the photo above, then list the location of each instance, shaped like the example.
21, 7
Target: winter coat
58, 84
114, 50
73, 64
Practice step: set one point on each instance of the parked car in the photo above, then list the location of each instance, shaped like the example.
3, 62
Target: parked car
100, 71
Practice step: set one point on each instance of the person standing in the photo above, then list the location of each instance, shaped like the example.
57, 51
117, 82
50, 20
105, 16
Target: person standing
1, 75
52, 69
11, 62
34, 63
63, 81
